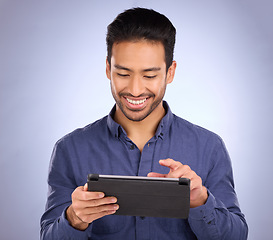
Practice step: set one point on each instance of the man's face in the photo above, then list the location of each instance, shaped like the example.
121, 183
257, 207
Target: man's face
138, 77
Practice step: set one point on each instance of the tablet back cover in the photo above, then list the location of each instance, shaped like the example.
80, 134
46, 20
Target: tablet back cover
144, 197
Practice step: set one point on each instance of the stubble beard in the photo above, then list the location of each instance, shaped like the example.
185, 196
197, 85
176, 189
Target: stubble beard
127, 114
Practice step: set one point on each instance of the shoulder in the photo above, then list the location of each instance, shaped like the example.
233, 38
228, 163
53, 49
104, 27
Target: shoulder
192, 131
198, 139
89, 131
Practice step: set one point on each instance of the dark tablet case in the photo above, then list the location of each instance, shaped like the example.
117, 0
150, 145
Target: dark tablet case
145, 196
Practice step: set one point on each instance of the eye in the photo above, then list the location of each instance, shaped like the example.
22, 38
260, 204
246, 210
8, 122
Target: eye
150, 77
123, 75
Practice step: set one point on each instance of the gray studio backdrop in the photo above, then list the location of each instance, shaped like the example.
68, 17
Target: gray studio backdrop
52, 80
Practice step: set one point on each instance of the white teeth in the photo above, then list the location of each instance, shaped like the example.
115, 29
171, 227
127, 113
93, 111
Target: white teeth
136, 102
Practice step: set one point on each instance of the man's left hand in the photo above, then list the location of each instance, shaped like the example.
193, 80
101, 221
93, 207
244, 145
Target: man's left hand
198, 193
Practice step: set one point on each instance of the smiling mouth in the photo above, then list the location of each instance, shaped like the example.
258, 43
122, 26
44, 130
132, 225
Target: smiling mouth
136, 102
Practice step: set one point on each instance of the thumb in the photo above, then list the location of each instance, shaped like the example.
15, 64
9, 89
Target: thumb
153, 174
85, 187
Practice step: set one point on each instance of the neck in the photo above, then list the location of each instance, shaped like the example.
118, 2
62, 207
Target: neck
140, 131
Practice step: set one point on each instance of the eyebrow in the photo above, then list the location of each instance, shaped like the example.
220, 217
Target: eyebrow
122, 68
152, 69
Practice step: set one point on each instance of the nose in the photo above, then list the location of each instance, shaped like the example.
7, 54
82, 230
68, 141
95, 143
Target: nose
136, 86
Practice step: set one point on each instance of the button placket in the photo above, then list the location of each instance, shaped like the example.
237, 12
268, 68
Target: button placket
142, 228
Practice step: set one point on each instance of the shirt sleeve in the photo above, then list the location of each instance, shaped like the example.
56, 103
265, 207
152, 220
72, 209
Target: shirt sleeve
220, 217
61, 184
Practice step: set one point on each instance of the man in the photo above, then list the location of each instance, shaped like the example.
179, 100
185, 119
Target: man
140, 137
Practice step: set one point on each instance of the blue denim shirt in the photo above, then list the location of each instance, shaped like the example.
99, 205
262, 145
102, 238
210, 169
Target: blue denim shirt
104, 148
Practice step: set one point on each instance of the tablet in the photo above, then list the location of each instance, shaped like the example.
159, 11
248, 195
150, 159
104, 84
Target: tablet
145, 196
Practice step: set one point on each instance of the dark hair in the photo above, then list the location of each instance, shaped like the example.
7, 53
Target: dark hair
141, 23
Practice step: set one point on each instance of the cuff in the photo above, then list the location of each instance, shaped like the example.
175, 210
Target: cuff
204, 212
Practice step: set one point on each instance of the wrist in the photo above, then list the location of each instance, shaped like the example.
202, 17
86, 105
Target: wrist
74, 220
204, 195
201, 200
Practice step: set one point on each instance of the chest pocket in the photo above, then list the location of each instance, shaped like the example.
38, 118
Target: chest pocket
108, 224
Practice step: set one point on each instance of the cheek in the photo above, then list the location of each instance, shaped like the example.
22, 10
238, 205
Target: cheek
116, 86
113, 86
157, 87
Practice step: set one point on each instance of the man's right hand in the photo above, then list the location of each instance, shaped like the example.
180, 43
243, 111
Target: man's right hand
88, 206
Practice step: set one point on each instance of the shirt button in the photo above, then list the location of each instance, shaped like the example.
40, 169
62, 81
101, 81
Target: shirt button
132, 147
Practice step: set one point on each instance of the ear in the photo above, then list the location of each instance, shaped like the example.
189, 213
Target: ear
108, 69
171, 72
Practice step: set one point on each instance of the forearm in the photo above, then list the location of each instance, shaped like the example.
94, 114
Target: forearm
214, 221
54, 223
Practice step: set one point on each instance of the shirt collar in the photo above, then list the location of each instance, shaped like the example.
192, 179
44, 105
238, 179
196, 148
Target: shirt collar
162, 128
112, 125
165, 122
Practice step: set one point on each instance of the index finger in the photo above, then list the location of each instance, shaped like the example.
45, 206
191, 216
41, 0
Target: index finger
170, 163
85, 195
93, 195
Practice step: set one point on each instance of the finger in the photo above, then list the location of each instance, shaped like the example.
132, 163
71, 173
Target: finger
92, 214
85, 187
154, 174
92, 217
84, 209
83, 195
182, 171
93, 195
170, 163
101, 202
102, 208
